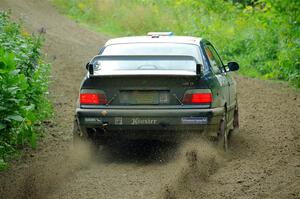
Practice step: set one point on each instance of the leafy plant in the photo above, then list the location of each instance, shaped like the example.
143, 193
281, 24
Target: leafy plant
23, 88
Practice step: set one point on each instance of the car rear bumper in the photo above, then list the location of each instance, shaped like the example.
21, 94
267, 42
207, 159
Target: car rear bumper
132, 120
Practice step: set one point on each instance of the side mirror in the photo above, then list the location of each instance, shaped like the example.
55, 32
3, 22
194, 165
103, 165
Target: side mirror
87, 66
90, 68
233, 66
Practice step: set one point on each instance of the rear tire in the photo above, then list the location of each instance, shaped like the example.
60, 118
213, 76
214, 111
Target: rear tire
82, 139
236, 121
96, 136
223, 141
78, 136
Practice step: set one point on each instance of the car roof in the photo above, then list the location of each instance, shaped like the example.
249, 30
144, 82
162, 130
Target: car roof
155, 39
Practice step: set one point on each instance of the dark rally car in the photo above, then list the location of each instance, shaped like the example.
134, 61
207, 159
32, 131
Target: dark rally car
157, 87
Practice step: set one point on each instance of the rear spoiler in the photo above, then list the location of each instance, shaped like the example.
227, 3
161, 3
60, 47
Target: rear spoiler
90, 65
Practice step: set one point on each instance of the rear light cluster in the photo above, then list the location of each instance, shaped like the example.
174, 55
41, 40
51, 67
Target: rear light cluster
197, 98
92, 99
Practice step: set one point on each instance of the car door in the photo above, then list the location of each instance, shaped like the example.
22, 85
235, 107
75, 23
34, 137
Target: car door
218, 69
230, 80
232, 85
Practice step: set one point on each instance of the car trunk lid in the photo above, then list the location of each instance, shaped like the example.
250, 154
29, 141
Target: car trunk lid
144, 89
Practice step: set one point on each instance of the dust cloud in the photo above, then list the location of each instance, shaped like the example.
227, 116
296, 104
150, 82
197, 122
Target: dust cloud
39, 181
198, 159
195, 161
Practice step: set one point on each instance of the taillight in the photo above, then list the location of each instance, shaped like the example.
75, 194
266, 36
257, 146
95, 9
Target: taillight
197, 98
92, 98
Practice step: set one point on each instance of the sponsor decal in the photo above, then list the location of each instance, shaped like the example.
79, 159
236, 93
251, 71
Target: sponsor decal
194, 120
118, 120
92, 119
164, 98
141, 121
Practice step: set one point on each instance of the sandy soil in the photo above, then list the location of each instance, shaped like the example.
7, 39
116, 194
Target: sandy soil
264, 160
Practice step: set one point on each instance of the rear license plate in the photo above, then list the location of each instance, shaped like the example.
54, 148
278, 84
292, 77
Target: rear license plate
145, 97
139, 97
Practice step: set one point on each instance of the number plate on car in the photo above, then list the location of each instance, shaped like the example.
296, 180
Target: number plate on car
145, 97
139, 97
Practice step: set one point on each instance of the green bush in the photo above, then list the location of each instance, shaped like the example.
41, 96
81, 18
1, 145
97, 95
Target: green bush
23, 88
262, 35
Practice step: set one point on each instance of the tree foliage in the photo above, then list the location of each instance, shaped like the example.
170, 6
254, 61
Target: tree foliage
262, 35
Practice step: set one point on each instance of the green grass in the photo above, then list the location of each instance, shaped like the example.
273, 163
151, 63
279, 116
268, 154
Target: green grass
262, 35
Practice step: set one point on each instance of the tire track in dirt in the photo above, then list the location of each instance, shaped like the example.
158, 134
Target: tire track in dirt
263, 162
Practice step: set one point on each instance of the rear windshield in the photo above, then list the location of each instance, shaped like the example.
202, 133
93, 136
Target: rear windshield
154, 49
106, 66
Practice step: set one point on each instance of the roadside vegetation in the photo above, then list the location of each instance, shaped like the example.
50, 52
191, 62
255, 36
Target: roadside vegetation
23, 89
262, 35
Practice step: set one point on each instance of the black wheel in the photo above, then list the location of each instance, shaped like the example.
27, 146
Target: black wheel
223, 142
88, 137
78, 135
82, 135
97, 137
83, 140
236, 122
